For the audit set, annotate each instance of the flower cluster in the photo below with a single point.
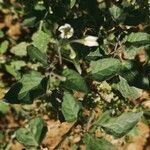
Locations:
(66, 32)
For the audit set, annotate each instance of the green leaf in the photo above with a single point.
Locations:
(34, 134)
(127, 91)
(29, 83)
(131, 51)
(30, 22)
(139, 38)
(4, 46)
(20, 49)
(135, 42)
(12, 95)
(105, 68)
(18, 64)
(14, 67)
(74, 147)
(129, 71)
(70, 107)
(25, 137)
(2, 136)
(74, 81)
(101, 120)
(77, 65)
(120, 126)
(41, 40)
(97, 143)
(72, 3)
(11, 70)
(134, 132)
(38, 128)
(36, 54)
(115, 11)
(27, 89)
(1, 34)
(94, 55)
(4, 107)
(39, 7)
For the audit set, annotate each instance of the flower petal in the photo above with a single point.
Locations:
(66, 31)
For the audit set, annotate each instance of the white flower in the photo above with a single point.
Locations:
(90, 41)
(66, 31)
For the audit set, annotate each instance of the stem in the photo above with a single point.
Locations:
(59, 55)
(10, 143)
(41, 24)
(77, 41)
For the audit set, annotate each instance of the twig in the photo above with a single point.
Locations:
(117, 44)
(90, 120)
(65, 135)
